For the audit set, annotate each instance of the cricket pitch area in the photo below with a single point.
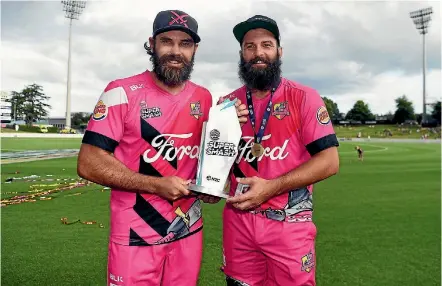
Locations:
(378, 221)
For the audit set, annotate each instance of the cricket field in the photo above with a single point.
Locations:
(378, 221)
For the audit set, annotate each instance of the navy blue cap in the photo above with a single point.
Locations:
(255, 22)
(176, 20)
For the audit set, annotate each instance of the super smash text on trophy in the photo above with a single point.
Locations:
(218, 150)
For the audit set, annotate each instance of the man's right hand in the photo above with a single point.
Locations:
(171, 188)
(242, 112)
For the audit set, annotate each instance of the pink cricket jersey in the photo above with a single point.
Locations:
(154, 133)
(299, 127)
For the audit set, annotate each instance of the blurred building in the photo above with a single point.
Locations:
(58, 122)
(5, 107)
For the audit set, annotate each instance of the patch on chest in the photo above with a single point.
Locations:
(281, 110)
(149, 112)
(195, 109)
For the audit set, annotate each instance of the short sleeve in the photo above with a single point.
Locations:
(106, 125)
(317, 129)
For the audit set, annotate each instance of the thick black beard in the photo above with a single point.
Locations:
(171, 76)
(260, 79)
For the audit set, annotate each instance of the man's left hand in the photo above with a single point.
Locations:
(260, 190)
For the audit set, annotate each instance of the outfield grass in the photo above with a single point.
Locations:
(374, 131)
(20, 144)
(378, 221)
(377, 131)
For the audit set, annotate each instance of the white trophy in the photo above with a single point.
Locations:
(218, 150)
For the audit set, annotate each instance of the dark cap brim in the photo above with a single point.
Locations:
(194, 36)
(242, 28)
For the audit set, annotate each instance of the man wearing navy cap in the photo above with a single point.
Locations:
(142, 141)
(288, 144)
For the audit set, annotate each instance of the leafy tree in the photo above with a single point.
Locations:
(332, 108)
(30, 103)
(436, 112)
(404, 110)
(17, 103)
(80, 118)
(360, 112)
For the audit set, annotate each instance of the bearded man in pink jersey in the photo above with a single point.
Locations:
(143, 141)
(288, 144)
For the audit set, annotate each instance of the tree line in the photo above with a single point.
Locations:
(361, 112)
(31, 105)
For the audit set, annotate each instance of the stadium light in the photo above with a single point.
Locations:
(421, 19)
(73, 10)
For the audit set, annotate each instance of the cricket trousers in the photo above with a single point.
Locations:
(258, 251)
(176, 263)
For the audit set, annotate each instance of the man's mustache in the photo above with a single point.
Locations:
(166, 58)
(258, 59)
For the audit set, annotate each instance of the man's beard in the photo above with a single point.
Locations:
(171, 76)
(259, 78)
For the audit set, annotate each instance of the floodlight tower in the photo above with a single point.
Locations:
(73, 10)
(421, 19)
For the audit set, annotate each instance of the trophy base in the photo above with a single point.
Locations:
(207, 191)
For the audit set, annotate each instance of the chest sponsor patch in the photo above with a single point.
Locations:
(149, 112)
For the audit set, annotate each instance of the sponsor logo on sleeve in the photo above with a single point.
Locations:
(100, 111)
(322, 115)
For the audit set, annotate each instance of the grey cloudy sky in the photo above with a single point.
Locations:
(346, 50)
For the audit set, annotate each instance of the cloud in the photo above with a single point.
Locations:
(345, 50)
(387, 87)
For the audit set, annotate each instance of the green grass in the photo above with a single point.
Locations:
(377, 131)
(10, 130)
(20, 144)
(378, 222)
